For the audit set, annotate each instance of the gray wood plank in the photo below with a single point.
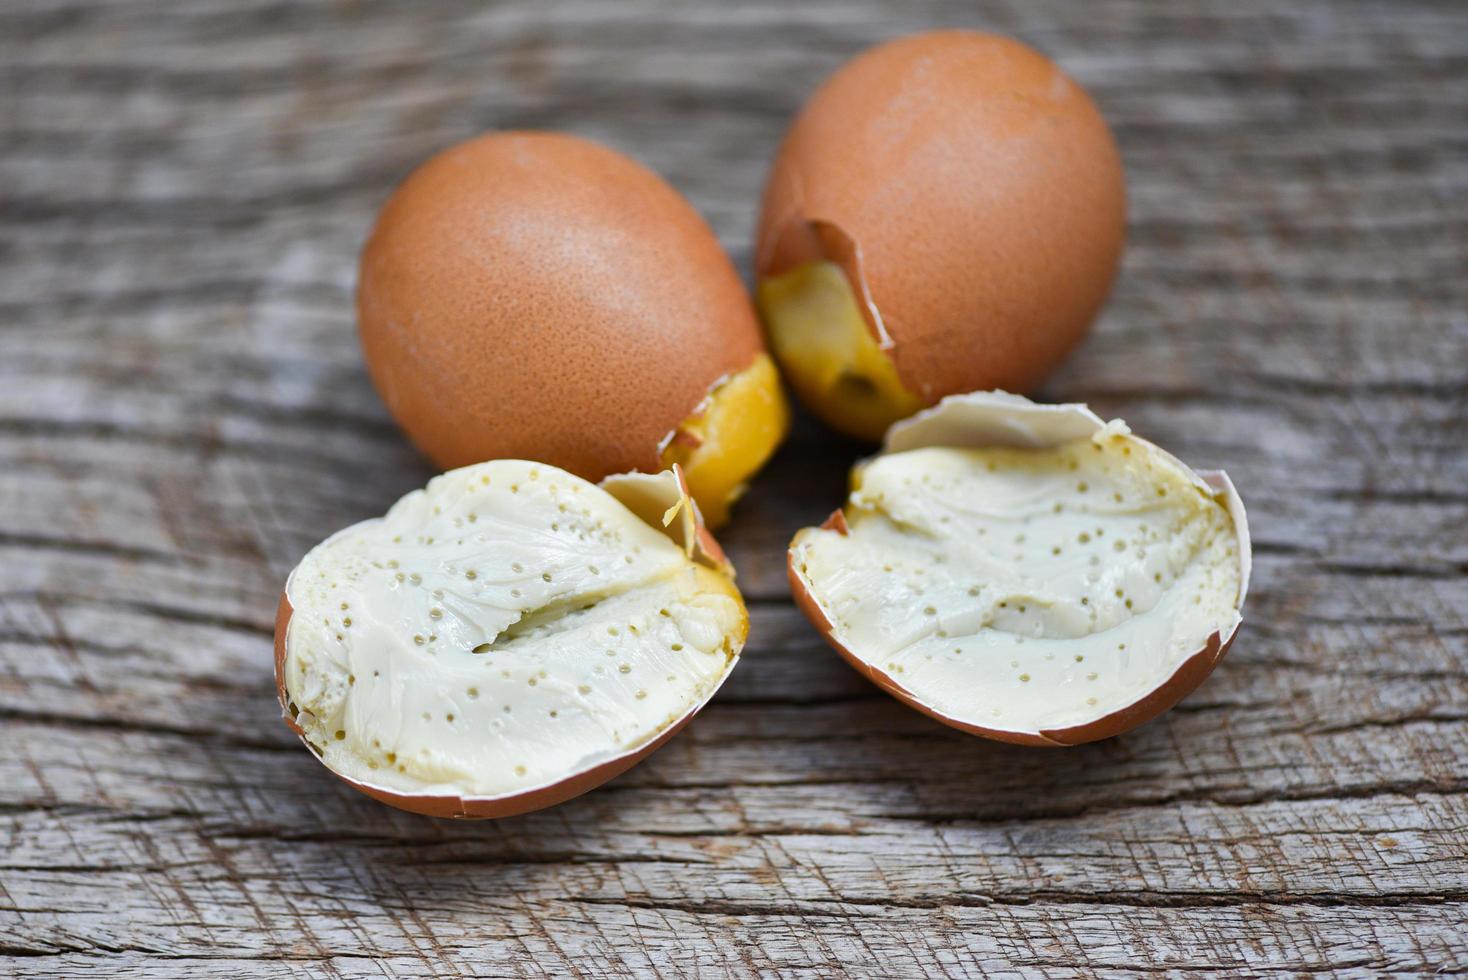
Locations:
(183, 412)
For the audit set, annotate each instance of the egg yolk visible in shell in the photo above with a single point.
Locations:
(729, 437)
(827, 350)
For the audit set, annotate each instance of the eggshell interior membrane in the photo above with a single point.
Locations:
(1026, 589)
(506, 628)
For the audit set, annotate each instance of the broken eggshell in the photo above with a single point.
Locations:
(662, 502)
(945, 215)
(985, 420)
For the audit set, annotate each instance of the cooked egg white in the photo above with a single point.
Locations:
(1026, 589)
(504, 628)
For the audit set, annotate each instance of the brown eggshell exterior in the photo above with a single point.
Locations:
(282, 624)
(539, 296)
(982, 197)
(1162, 698)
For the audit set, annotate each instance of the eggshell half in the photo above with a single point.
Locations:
(662, 501)
(974, 197)
(985, 419)
(538, 296)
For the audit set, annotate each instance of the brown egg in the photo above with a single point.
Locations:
(538, 296)
(1098, 584)
(945, 215)
(506, 638)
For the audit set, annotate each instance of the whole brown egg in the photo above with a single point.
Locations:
(945, 215)
(538, 296)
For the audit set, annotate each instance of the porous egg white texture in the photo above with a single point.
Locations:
(1026, 589)
(506, 627)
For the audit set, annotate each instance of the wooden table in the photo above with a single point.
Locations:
(183, 412)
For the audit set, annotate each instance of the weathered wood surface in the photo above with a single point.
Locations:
(183, 412)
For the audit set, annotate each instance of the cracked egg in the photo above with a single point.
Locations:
(945, 215)
(506, 638)
(538, 296)
(1028, 572)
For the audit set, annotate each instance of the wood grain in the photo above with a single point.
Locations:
(183, 412)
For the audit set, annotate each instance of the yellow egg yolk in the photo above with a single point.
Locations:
(729, 437)
(829, 354)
